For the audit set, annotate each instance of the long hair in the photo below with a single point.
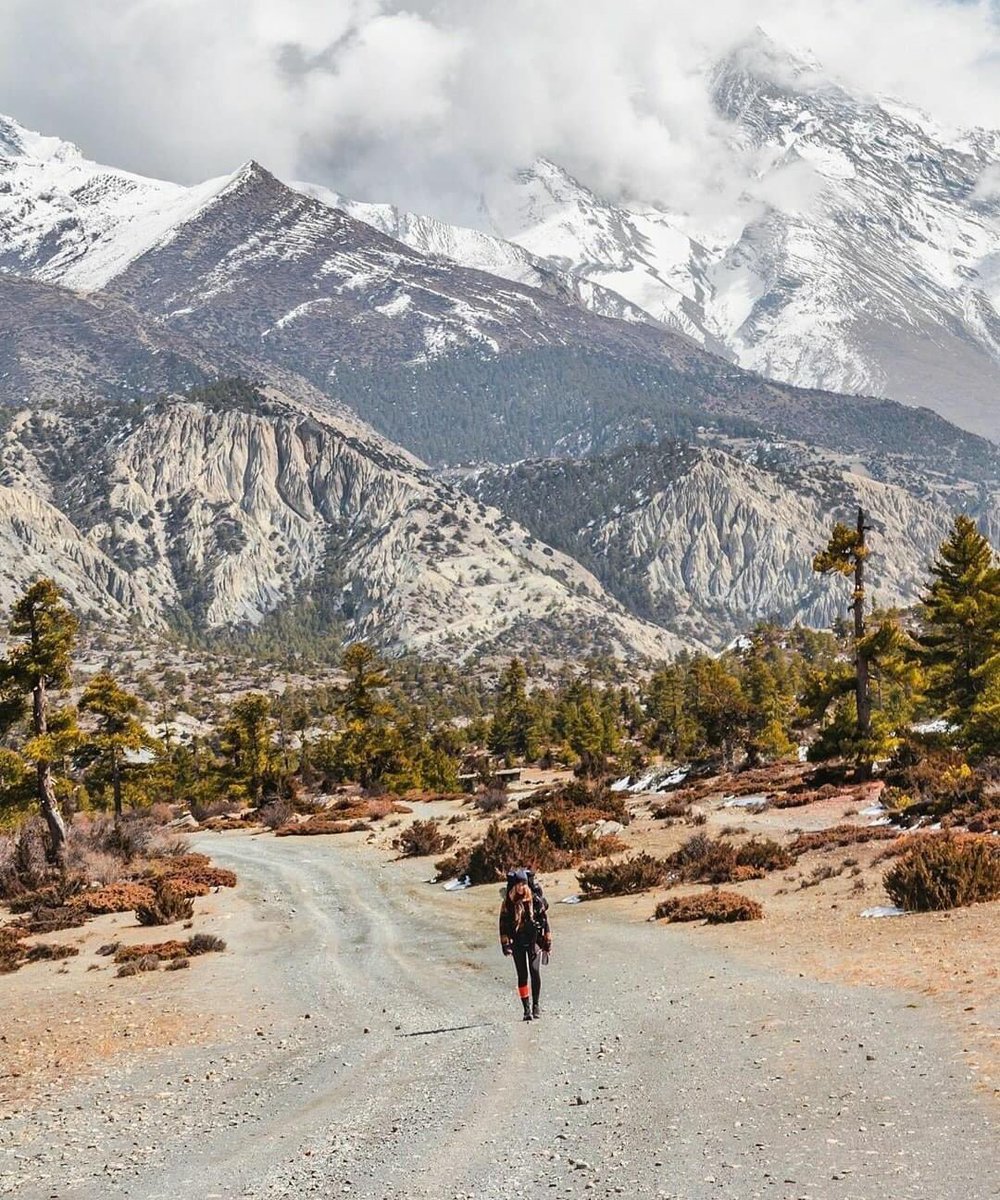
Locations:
(519, 904)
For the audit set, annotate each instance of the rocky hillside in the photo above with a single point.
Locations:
(233, 502)
(155, 490)
(708, 540)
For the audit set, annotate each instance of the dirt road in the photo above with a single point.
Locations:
(374, 1050)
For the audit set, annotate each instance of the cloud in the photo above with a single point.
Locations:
(424, 102)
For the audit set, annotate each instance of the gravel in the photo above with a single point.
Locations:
(378, 1052)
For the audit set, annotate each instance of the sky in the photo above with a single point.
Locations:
(422, 103)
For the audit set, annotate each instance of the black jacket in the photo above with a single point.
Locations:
(533, 932)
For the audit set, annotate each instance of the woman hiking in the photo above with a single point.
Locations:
(525, 934)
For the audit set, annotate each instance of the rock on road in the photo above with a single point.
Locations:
(377, 1052)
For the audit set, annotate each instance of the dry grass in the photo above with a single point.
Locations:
(51, 952)
(715, 907)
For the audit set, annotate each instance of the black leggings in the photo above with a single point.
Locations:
(527, 959)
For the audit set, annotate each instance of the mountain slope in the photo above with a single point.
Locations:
(863, 256)
(258, 273)
(64, 219)
(709, 540)
(233, 502)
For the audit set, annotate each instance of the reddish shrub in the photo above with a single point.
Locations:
(115, 898)
(319, 825)
(715, 907)
(162, 950)
(841, 835)
(765, 854)
(423, 838)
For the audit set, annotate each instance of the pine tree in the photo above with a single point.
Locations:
(961, 611)
(673, 730)
(846, 554)
(717, 704)
(43, 630)
(366, 679)
(983, 727)
(770, 702)
(118, 728)
(514, 732)
(250, 728)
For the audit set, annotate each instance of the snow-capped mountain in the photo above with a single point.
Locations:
(147, 484)
(877, 271)
(863, 255)
(66, 220)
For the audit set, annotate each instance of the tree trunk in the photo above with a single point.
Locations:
(862, 685)
(116, 783)
(46, 788)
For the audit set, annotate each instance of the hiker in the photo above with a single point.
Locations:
(525, 935)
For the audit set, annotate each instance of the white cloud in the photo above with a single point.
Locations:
(421, 102)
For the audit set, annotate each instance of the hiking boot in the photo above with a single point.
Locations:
(536, 1012)
(527, 1011)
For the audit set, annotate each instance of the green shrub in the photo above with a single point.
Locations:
(623, 878)
(945, 872)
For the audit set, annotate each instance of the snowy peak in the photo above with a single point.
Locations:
(67, 220)
(18, 142)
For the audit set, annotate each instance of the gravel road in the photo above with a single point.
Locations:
(377, 1052)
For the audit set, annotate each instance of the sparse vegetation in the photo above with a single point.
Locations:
(204, 943)
(945, 872)
(167, 905)
(715, 907)
(838, 836)
(623, 878)
(423, 838)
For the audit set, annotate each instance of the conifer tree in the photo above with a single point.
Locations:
(716, 702)
(983, 727)
(673, 730)
(846, 554)
(961, 610)
(118, 727)
(514, 731)
(770, 704)
(250, 729)
(42, 630)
